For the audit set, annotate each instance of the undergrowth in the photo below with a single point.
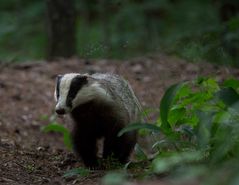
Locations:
(198, 126)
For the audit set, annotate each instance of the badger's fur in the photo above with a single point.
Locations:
(100, 105)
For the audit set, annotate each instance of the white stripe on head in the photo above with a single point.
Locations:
(55, 95)
(64, 89)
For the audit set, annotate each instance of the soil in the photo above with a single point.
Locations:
(30, 156)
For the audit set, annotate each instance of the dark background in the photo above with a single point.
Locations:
(195, 30)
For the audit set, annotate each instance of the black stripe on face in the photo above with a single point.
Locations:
(58, 81)
(76, 84)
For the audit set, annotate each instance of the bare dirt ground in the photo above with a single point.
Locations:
(30, 156)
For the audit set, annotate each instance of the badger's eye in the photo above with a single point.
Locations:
(76, 84)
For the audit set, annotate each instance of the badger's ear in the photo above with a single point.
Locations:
(58, 77)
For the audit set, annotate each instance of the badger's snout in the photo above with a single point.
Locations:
(60, 111)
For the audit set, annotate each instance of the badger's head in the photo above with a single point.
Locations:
(74, 89)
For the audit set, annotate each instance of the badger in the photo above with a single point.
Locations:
(100, 105)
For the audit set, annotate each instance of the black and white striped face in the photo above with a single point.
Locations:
(70, 91)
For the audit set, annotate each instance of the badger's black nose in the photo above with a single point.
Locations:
(60, 111)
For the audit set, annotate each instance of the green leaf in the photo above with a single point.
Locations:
(140, 154)
(211, 85)
(136, 126)
(192, 120)
(165, 106)
(195, 99)
(228, 95)
(55, 127)
(176, 115)
(164, 164)
(147, 111)
(200, 80)
(233, 83)
(203, 130)
(77, 171)
(160, 143)
(184, 91)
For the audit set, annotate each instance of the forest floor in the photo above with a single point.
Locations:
(30, 156)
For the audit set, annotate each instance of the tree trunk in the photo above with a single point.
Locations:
(61, 27)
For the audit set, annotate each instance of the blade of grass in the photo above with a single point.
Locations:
(136, 126)
(55, 127)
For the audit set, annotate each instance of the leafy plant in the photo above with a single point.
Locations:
(199, 126)
(55, 127)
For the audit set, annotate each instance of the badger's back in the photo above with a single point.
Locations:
(124, 99)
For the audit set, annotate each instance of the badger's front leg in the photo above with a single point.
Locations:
(84, 144)
(119, 147)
